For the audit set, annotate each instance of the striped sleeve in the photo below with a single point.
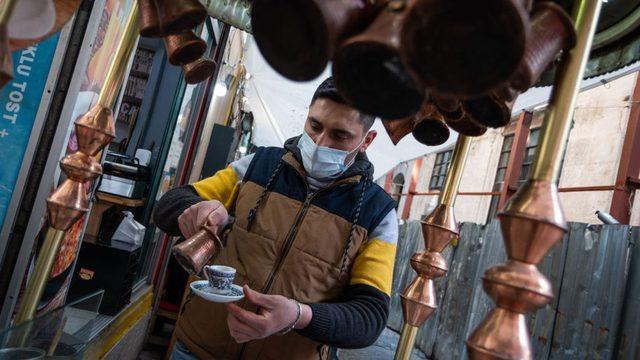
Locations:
(373, 265)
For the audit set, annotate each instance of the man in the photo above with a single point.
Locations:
(314, 240)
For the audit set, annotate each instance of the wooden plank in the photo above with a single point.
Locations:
(461, 283)
(541, 322)
(591, 293)
(119, 200)
(628, 347)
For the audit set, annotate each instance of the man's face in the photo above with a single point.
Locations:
(337, 126)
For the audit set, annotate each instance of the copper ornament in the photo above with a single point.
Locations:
(552, 30)
(199, 70)
(398, 129)
(80, 167)
(465, 48)
(67, 204)
(95, 130)
(184, 48)
(299, 37)
(449, 107)
(368, 70)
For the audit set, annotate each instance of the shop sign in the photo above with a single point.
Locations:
(19, 103)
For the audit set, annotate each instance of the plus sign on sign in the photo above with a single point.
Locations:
(19, 103)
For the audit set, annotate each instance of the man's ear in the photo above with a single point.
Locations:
(368, 139)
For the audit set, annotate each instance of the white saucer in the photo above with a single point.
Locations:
(202, 289)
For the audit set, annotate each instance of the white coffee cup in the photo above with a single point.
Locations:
(220, 278)
(143, 156)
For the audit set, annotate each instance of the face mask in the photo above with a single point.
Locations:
(321, 162)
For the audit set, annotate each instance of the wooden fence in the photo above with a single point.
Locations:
(595, 272)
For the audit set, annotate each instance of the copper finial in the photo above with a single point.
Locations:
(95, 130)
(199, 70)
(80, 167)
(299, 37)
(184, 48)
(368, 70)
(465, 48)
(67, 204)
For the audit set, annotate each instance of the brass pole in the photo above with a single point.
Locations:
(452, 181)
(438, 229)
(557, 120)
(69, 201)
(407, 341)
(532, 222)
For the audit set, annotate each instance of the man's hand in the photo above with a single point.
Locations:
(192, 219)
(276, 313)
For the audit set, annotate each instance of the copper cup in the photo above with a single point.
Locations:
(552, 30)
(299, 37)
(184, 48)
(199, 70)
(430, 128)
(194, 253)
(179, 15)
(449, 107)
(465, 48)
(491, 111)
(149, 18)
(466, 125)
(368, 70)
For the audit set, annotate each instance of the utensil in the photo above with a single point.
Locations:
(199, 70)
(178, 15)
(184, 48)
(466, 125)
(430, 128)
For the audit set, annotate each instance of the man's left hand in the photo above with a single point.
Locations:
(276, 313)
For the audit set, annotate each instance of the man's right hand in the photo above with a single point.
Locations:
(192, 219)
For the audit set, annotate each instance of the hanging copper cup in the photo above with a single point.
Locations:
(149, 18)
(199, 70)
(430, 128)
(299, 37)
(184, 48)
(552, 30)
(465, 48)
(491, 111)
(179, 15)
(368, 70)
(466, 125)
(449, 107)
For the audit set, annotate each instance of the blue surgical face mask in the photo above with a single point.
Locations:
(321, 162)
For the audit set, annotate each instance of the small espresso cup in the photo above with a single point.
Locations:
(220, 278)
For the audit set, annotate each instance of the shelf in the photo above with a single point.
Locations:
(119, 200)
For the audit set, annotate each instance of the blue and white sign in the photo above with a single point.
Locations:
(19, 102)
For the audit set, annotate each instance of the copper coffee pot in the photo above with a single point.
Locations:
(491, 111)
(199, 70)
(195, 252)
(184, 48)
(430, 128)
(449, 107)
(465, 48)
(552, 30)
(466, 125)
(299, 37)
(178, 15)
(368, 70)
(149, 18)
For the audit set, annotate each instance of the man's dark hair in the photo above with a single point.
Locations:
(329, 91)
